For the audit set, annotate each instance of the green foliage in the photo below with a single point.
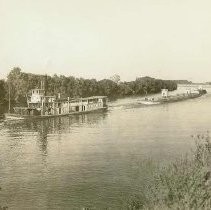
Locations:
(185, 184)
(20, 83)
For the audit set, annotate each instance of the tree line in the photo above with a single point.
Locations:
(20, 83)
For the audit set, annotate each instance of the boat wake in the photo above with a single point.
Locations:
(144, 102)
(132, 105)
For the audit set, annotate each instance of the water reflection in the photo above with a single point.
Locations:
(42, 128)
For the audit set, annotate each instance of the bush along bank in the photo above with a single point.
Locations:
(184, 184)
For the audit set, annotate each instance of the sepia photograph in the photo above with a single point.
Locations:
(105, 105)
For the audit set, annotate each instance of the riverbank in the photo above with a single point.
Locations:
(184, 184)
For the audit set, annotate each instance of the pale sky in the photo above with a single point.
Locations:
(169, 39)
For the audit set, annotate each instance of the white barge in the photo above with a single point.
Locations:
(166, 98)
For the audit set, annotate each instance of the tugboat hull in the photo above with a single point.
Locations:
(11, 116)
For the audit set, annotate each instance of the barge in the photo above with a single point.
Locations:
(166, 98)
(41, 106)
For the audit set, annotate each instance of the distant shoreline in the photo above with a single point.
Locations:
(195, 85)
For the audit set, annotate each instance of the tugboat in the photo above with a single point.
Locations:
(166, 98)
(41, 106)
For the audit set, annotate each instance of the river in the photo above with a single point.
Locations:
(94, 160)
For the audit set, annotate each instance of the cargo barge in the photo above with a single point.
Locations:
(166, 98)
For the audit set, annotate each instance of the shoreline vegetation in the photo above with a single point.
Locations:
(183, 184)
(20, 83)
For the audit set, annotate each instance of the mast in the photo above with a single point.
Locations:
(9, 99)
(43, 97)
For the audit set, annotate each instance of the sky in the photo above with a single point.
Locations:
(167, 39)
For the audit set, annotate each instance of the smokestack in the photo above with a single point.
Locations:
(42, 85)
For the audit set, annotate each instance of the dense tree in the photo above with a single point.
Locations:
(107, 87)
(182, 82)
(20, 83)
(2, 91)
